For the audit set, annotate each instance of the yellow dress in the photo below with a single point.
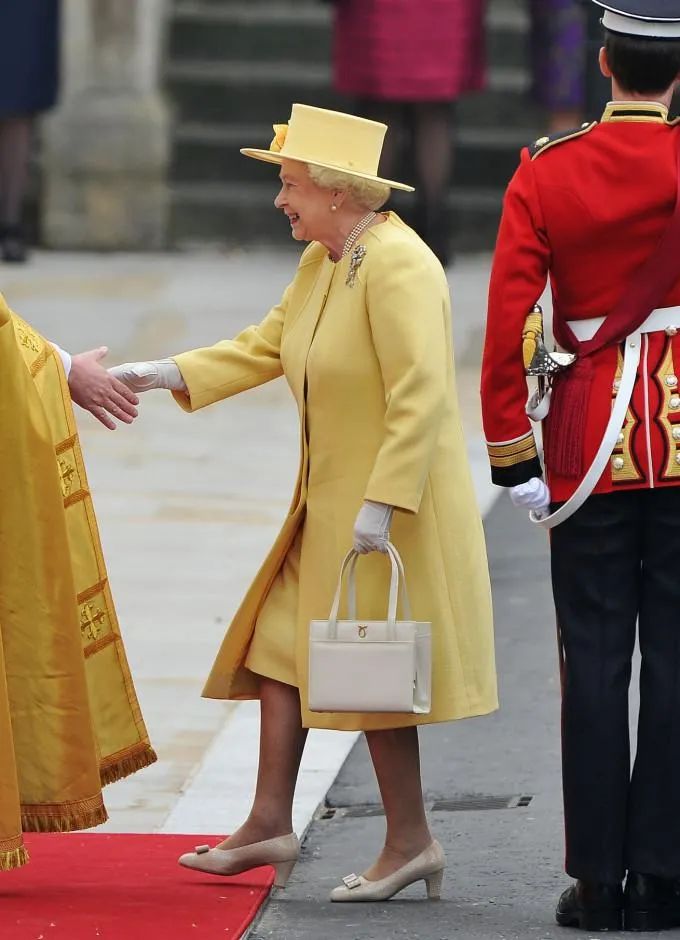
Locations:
(368, 357)
(272, 649)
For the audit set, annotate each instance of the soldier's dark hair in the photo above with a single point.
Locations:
(642, 65)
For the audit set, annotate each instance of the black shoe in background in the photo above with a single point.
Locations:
(651, 903)
(13, 244)
(592, 906)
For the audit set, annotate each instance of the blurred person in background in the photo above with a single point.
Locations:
(558, 42)
(30, 29)
(405, 63)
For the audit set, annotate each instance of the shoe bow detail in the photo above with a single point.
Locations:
(201, 849)
(351, 881)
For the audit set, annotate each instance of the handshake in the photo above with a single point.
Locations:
(112, 393)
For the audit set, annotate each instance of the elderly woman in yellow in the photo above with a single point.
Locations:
(363, 336)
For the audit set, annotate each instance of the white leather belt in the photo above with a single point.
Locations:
(665, 318)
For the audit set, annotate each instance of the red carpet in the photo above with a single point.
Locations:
(82, 886)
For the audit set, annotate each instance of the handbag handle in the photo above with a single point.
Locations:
(397, 579)
(405, 603)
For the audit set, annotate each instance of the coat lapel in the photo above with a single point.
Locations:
(299, 338)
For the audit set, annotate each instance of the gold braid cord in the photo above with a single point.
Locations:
(531, 334)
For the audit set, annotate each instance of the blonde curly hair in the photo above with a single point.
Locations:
(366, 193)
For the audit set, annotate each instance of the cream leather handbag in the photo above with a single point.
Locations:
(370, 665)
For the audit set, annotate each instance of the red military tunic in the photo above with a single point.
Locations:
(586, 209)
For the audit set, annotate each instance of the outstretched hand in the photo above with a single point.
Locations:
(98, 392)
(143, 376)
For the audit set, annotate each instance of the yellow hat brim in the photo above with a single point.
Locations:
(270, 156)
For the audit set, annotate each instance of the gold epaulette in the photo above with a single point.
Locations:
(545, 143)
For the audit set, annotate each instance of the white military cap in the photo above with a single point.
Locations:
(654, 19)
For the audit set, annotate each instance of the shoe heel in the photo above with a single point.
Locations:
(597, 921)
(434, 885)
(645, 921)
(282, 872)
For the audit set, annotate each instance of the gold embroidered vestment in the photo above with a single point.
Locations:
(69, 717)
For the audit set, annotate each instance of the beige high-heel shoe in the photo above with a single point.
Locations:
(428, 867)
(282, 853)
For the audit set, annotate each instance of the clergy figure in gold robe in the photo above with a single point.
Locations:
(69, 717)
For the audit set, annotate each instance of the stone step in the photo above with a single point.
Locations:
(234, 67)
(484, 157)
(233, 214)
(232, 92)
(205, 31)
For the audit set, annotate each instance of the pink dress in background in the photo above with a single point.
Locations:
(409, 50)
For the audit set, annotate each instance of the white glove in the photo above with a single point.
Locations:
(143, 376)
(533, 495)
(372, 527)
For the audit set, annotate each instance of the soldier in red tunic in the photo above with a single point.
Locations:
(597, 210)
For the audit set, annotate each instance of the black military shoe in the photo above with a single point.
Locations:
(12, 244)
(591, 906)
(650, 902)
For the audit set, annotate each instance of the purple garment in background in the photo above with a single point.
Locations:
(558, 44)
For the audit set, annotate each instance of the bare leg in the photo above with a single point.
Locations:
(396, 761)
(15, 148)
(282, 741)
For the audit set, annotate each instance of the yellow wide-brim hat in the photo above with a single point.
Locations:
(329, 139)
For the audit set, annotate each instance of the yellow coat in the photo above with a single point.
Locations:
(371, 369)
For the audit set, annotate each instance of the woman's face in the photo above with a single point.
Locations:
(307, 205)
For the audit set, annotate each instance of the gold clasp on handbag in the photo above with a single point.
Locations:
(363, 631)
(538, 360)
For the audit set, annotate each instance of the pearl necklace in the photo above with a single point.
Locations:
(357, 231)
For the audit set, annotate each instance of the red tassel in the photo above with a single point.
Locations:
(566, 424)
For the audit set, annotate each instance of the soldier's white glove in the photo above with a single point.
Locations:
(533, 495)
(372, 527)
(143, 376)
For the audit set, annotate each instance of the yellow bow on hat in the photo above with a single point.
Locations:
(280, 131)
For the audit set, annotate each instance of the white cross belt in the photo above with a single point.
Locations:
(665, 318)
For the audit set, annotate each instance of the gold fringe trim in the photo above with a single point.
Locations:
(65, 822)
(14, 859)
(128, 765)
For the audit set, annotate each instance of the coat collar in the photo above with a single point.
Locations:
(648, 112)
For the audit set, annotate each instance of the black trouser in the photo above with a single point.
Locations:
(616, 562)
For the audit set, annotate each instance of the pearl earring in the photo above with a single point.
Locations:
(334, 208)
